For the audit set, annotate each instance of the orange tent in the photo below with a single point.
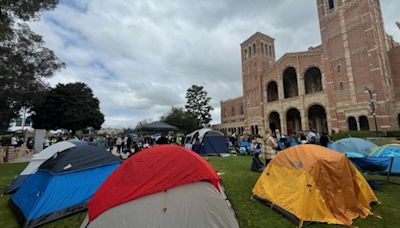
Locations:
(313, 183)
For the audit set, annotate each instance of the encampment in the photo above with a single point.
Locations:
(162, 186)
(313, 183)
(207, 142)
(63, 184)
(37, 160)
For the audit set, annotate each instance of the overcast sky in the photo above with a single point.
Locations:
(139, 57)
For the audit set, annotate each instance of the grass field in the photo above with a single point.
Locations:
(238, 182)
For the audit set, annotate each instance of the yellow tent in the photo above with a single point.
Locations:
(313, 183)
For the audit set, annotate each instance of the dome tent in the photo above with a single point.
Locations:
(310, 183)
(63, 184)
(162, 186)
(207, 142)
(36, 161)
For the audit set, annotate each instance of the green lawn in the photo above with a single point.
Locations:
(238, 182)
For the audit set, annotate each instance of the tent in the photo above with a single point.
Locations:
(63, 184)
(310, 183)
(207, 142)
(353, 145)
(37, 160)
(358, 150)
(162, 186)
(390, 151)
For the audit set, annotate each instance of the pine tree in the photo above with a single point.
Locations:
(198, 104)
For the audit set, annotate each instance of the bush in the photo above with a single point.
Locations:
(356, 134)
(395, 133)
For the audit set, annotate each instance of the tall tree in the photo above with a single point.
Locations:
(24, 62)
(184, 120)
(198, 104)
(69, 106)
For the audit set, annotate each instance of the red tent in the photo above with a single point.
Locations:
(153, 170)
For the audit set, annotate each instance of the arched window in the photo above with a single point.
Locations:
(331, 4)
(254, 49)
(274, 121)
(352, 123)
(256, 129)
(364, 125)
(312, 80)
(317, 119)
(233, 111)
(252, 130)
(272, 91)
(266, 50)
(290, 83)
(262, 48)
(241, 110)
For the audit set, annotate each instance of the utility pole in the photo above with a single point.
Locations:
(372, 104)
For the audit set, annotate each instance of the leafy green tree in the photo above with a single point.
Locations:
(184, 120)
(24, 62)
(68, 106)
(198, 104)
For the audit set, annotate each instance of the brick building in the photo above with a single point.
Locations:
(325, 87)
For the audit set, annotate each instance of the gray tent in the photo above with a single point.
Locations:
(195, 205)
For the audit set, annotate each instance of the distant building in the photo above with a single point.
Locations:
(324, 87)
(19, 124)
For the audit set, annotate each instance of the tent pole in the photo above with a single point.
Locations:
(390, 170)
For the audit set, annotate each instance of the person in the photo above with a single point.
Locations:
(269, 146)
(129, 142)
(312, 137)
(324, 140)
(118, 143)
(162, 140)
(14, 141)
(46, 143)
(303, 139)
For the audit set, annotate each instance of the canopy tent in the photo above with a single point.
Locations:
(162, 186)
(207, 141)
(158, 127)
(63, 184)
(313, 183)
(37, 160)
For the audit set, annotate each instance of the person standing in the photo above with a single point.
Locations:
(14, 141)
(270, 146)
(118, 143)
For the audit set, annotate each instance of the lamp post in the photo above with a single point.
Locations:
(372, 103)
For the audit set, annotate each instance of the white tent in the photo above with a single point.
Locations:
(195, 205)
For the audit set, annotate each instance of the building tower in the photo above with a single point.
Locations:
(355, 51)
(258, 55)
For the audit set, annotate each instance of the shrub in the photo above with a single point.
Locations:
(395, 133)
(356, 134)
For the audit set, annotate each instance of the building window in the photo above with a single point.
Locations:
(241, 110)
(233, 111)
(338, 68)
(245, 54)
(266, 49)
(249, 51)
(331, 4)
(270, 50)
(341, 85)
(254, 49)
(262, 48)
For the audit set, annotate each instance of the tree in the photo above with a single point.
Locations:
(68, 106)
(198, 104)
(184, 120)
(24, 62)
(140, 124)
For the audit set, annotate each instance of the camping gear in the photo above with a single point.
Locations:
(162, 186)
(37, 160)
(389, 150)
(63, 184)
(313, 183)
(354, 145)
(207, 142)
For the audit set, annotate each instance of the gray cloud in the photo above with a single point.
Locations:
(139, 57)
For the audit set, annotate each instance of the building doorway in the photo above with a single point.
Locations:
(293, 121)
(317, 119)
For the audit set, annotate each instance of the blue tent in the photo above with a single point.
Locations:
(354, 145)
(207, 142)
(63, 184)
(392, 151)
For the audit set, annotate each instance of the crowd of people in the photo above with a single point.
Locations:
(272, 142)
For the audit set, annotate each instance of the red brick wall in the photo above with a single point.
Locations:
(394, 59)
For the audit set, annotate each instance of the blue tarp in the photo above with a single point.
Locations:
(372, 164)
(45, 193)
